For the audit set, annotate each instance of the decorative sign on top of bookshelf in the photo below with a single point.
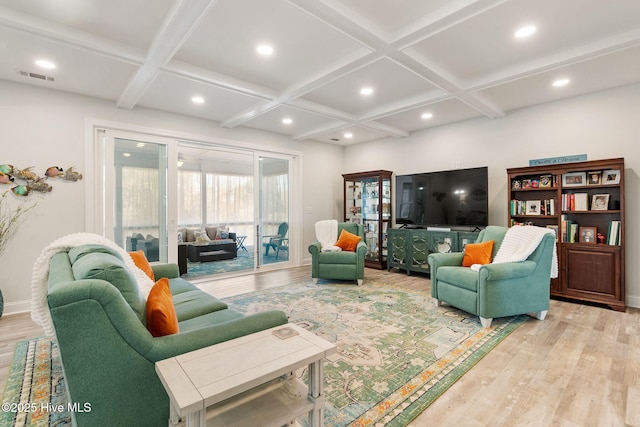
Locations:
(558, 160)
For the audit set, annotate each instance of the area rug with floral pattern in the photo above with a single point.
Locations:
(397, 351)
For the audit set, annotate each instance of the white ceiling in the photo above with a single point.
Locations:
(457, 59)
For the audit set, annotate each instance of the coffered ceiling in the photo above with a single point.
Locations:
(446, 60)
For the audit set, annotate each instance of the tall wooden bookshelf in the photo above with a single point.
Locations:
(584, 203)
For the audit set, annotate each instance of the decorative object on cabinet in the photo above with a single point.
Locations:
(367, 201)
(588, 234)
(611, 176)
(600, 202)
(574, 179)
(591, 241)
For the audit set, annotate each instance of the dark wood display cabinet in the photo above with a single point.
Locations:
(584, 203)
(367, 201)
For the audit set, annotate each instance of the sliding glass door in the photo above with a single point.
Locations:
(134, 192)
(273, 209)
(149, 189)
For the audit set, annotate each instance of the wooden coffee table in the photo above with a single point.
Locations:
(248, 381)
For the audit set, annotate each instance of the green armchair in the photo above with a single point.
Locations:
(340, 265)
(496, 290)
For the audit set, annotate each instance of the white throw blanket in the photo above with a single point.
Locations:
(40, 276)
(327, 235)
(520, 242)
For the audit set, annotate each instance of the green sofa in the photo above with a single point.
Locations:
(496, 290)
(340, 265)
(108, 356)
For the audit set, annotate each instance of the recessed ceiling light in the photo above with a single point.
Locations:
(525, 31)
(197, 100)
(287, 121)
(561, 82)
(348, 135)
(140, 144)
(264, 50)
(126, 154)
(43, 63)
(366, 91)
(427, 116)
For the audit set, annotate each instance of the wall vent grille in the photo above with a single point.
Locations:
(37, 76)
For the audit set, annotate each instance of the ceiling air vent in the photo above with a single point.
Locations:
(335, 139)
(37, 76)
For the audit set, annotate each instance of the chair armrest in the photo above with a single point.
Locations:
(507, 270)
(439, 260)
(362, 248)
(170, 271)
(315, 248)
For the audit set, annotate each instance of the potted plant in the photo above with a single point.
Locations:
(11, 216)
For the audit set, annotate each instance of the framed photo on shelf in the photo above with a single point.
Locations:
(533, 207)
(545, 181)
(574, 179)
(526, 183)
(594, 178)
(516, 184)
(600, 202)
(588, 234)
(611, 176)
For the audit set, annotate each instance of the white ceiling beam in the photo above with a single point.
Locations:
(565, 58)
(64, 35)
(174, 31)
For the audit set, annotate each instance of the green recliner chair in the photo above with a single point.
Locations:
(496, 290)
(340, 265)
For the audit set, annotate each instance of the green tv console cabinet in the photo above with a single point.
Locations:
(409, 248)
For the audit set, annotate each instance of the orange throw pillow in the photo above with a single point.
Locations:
(140, 260)
(161, 314)
(348, 241)
(477, 253)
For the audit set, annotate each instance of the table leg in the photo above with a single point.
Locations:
(315, 373)
(197, 419)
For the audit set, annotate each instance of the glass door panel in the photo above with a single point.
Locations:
(140, 194)
(273, 215)
(216, 189)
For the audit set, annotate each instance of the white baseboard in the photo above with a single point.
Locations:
(16, 307)
(633, 301)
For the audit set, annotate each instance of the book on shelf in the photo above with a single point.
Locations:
(532, 207)
(581, 202)
(613, 237)
(568, 230)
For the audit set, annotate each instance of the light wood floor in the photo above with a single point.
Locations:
(578, 367)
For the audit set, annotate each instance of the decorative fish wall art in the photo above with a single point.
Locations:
(9, 174)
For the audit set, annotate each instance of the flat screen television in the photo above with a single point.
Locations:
(447, 199)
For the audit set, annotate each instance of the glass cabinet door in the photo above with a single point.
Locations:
(367, 201)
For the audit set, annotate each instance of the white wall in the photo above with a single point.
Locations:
(43, 128)
(602, 125)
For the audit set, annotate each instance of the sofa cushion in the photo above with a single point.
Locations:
(106, 266)
(195, 303)
(462, 277)
(140, 260)
(209, 319)
(161, 315)
(337, 258)
(79, 251)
